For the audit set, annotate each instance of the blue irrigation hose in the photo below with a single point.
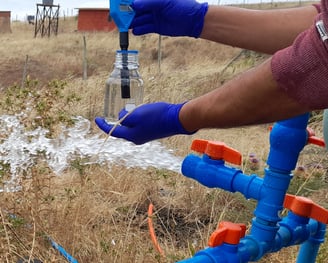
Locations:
(62, 251)
(55, 245)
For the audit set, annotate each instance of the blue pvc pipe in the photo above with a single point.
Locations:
(268, 232)
(214, 173)
(293, 230)
(287, 139)
(223, 254)
(198, 259)
(308, 252)
(270, 203)
(309, 249)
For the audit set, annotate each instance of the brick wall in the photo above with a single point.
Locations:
(94, 19)
(5, 22)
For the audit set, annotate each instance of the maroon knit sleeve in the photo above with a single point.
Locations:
(318, 7)
(301, 70)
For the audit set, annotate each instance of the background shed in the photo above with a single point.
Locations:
(5, 22)
(94, 19)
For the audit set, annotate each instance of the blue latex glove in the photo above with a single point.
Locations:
(146, 123)
(169, 17)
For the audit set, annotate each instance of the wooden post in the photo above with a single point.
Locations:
(24, 72)
(85, 63)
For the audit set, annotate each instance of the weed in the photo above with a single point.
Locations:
(16, 221)
(4, 171)
(42, 106)
(79, 165)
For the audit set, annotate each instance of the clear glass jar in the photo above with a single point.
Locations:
(124, 87)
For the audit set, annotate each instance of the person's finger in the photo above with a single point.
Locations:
(145, 5)
(143, 25)
(103, 125)
(142, 30)
(117, 131)
(141, 20)
(122, 132)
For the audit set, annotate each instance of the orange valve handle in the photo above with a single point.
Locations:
(312, 139)
(305, 207)
(217, 151)
(227, 232)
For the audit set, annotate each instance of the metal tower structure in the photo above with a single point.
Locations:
(46, 21)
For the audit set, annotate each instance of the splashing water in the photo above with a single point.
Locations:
(19, 148)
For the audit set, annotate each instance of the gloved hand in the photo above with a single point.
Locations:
(169, 17)
(146, 123)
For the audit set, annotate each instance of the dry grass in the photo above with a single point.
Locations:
(99, 214)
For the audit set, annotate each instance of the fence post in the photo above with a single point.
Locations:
(85, 63)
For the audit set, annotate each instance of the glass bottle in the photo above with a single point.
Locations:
(124, 87)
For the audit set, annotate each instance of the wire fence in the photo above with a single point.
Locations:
(247, 2)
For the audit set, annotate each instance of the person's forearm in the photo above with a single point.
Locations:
(261, 30)
(251, 98)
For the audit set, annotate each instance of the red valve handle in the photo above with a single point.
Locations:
(303, 206)
(217, 151)
(227, 232)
